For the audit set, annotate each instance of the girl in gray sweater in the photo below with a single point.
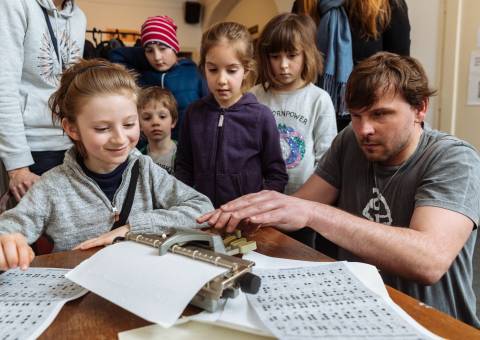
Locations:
(77, 203)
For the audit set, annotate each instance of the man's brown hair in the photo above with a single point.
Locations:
(383, 72)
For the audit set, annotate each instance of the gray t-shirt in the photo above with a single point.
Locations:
(443, 172)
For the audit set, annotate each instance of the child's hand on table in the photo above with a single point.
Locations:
(104, 239)
(15, 252)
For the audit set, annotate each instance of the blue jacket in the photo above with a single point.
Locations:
(183, 79)
(225, 158)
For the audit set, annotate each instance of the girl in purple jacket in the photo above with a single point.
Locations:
(229, 143)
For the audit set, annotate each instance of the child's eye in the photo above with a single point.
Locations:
(129, 125)
(212, 70)
(232, 70)
(101, 129)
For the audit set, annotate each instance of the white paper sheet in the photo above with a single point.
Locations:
(30, 300)
(236, 314)
(327, 301)
(364, 272)
(239, 312)
(133, 276)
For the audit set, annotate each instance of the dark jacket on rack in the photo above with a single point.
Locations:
(227, 153)
(183, 79)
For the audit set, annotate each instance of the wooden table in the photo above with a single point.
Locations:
(92, 317)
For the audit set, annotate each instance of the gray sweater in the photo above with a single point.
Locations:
(70, 207)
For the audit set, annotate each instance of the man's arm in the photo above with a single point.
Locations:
(272, 208)
(423, 252)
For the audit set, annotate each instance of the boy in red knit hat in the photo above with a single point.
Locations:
(158, 65)
(159, 39)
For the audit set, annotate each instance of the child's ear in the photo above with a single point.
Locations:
(70, 129)
(174, 123)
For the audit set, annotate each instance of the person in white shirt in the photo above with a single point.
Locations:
(41, 38)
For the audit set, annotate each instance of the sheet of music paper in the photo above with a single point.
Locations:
(30, 300)
(325, 301)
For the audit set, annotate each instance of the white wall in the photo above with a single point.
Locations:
(253, 12)
(426, 36)
(462, 25)
(284, 5)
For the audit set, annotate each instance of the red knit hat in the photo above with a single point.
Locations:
(160, 29)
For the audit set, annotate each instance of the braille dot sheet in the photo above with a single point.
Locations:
(30, 300)
(327, 302)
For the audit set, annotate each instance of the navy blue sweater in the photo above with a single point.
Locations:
(239, 157)
(183, 79)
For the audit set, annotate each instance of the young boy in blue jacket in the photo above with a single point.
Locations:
(157, 64)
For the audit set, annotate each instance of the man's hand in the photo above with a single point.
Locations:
(21, 180)
(265, 208)
(15, 252)
(219, 219)
(104, 239)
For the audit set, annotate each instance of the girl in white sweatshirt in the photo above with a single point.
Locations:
(288, 63)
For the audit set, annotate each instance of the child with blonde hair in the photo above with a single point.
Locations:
(229, 143)
(104, 188)
(157, 109)
(289, 63)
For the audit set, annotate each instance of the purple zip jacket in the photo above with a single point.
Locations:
(225, 153)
